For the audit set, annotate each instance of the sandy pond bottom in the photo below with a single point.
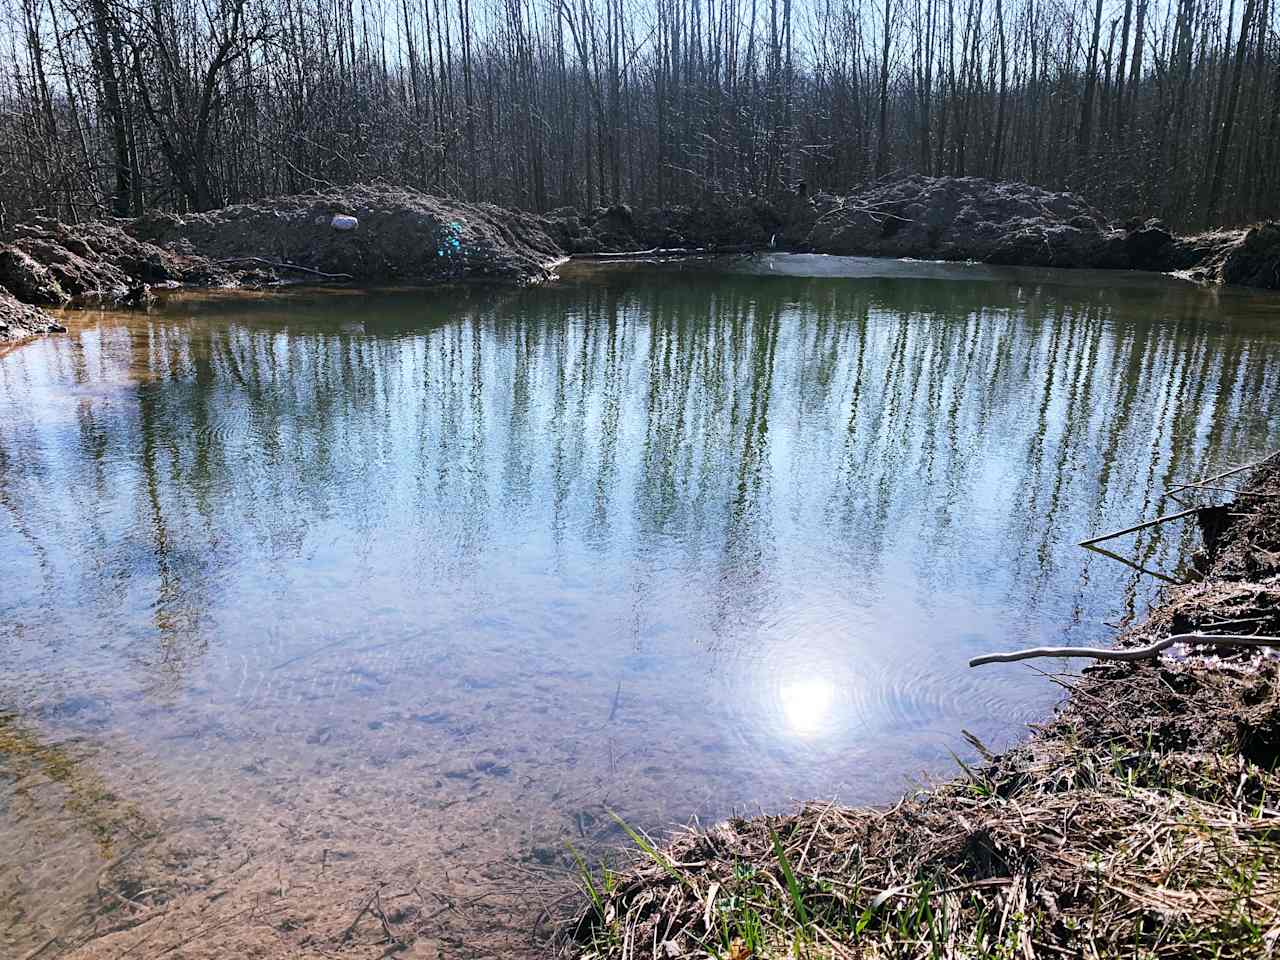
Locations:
(316, 602)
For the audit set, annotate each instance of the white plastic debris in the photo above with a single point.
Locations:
(343, 222)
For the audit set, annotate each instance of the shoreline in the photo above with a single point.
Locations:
(1141, 818)
(364, 235)
(941, 219)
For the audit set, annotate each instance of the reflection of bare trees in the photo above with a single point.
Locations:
(930, 425)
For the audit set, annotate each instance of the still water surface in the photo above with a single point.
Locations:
(428, 580)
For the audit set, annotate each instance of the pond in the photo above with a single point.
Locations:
(317, 594)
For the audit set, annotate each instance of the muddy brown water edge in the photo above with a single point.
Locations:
(317, 600)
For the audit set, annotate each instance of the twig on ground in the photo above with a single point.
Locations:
(41, 949)
(368, 904)
(617, 697)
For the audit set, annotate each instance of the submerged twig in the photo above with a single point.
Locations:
(281, 265)
(638, 254)
(617, 698)
(1150, 651)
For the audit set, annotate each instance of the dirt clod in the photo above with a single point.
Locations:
(20, 320)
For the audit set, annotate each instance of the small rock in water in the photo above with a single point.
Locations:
(342, 221)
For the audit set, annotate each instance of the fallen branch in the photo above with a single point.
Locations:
(1221, 476)
(368, 905)
(281, 265)
(872, 210)
(41, 949)
(1183, 513)
(1149, 652)
(1139, 526)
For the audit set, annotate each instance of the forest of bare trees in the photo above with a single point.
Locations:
(1147, 107)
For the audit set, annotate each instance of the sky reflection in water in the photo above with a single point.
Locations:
(730, 532)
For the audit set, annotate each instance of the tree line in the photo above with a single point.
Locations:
(1146, 107)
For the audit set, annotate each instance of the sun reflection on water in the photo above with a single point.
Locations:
(807, 704)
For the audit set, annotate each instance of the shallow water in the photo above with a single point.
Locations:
(319, 589)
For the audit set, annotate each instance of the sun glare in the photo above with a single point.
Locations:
(806, 704)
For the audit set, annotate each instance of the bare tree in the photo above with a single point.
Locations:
(109, 106)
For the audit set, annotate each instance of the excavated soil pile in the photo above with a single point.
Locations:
(1254, 260)
(401, 236)
(1142, 820)
(19, 320)
(52, 264)
(967, 218)
(928, 218)
(716, 223)
(1249, 258)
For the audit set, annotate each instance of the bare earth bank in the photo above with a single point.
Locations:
(402, 236)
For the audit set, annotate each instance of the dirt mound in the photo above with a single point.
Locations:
(19, 320)
(933, 218)
(967, 218)
(1254, 260)
(948, 218)
(382, 235)
(401, 236)
(715, 222)
(56, 264)
(53, 264)
(1249, 258)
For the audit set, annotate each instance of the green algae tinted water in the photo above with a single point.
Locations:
(317, 590)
